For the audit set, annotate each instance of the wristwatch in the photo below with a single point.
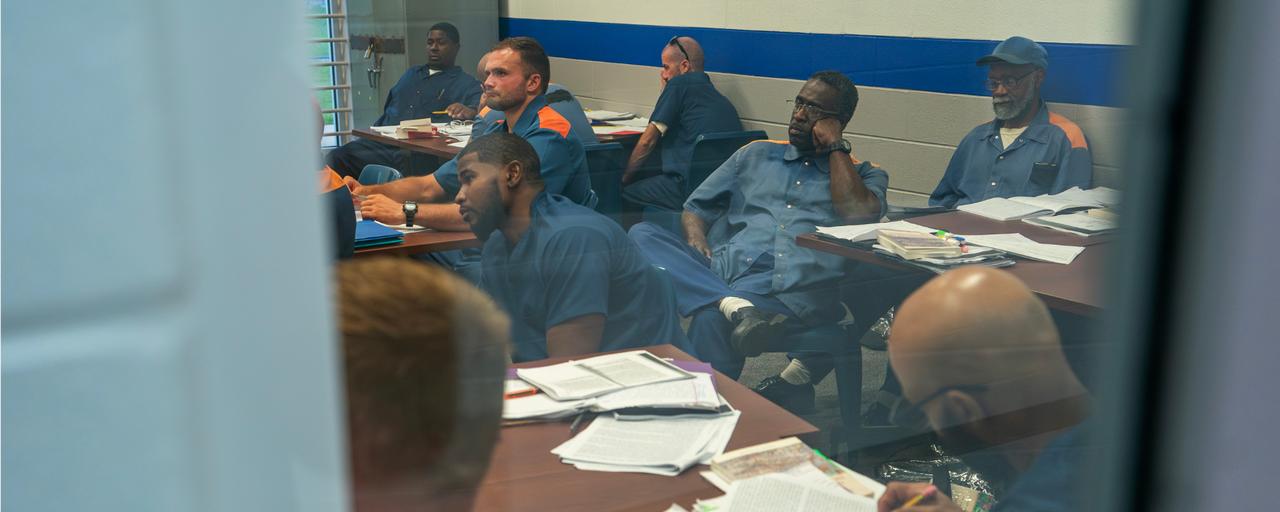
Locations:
(410, 208)
(843, 146)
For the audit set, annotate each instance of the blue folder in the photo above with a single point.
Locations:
(370, 233)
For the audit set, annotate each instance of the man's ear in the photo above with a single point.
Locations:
(513, 174)
(958, 408)
(533, 84)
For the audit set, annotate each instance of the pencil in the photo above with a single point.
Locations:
(916, 500)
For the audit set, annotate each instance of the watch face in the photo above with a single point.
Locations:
(410, 206)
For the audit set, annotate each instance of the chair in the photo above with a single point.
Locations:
(710, 150)
(374, 174)
(605, 164)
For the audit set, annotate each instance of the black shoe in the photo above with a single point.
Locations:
(795, 398)
(755, 330)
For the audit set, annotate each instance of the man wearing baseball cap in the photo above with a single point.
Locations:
(1026, 150)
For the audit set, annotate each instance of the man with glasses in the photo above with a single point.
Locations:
(979, 356)
(689, 106)
(1026, 150)
(737, 271)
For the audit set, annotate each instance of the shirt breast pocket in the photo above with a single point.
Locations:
(1043, 176)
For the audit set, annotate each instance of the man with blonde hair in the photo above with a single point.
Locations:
(424, 357)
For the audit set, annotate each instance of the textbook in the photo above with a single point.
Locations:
(574, 380)
(790, 456)
(1018, 208)
(1080, 223)
(861, 232)
(914, 246)
(780, 492)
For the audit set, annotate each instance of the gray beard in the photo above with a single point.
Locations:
(1012, 109)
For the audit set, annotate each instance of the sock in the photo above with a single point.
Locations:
(795, 373)
(730, 305)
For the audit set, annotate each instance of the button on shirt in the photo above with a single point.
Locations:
(562, 162)
(572, 262)
(419, 93)
(756, 204)
(690, 106)
(1052, 155)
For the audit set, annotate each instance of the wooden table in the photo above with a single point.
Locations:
(423, 242)
(1074, 288)
(438, 147)
(524, 475)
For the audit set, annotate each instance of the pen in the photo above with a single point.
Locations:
(440, 112)
(520, 394)
(573, 429)
(929, 491)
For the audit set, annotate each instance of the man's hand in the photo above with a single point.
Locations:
(826, 132)
(353, 186)
(700, 245)
(897, 494)
(460, 111)
(383, 209)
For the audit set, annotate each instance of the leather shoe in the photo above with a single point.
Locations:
(795, 398)
(754, 330)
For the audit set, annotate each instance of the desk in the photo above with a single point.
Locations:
(437, 147)
(423, 242)
(1074, 288)
(524, 475)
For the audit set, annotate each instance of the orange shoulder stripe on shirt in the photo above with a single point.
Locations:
(484, 111)
(1074, 133)
(550, 119)
(330, 180)
(783, 142)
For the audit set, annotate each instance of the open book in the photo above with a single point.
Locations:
(1080, 223)
(1017, 208)
(790, 456)
(860, 232)
(696, 395)
(600, 375)
(784, 493)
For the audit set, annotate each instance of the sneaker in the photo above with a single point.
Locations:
(795, 398)
(754, 331)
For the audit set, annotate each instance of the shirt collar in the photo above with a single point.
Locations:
(530, 113)
(1034, 130)
(793, 155)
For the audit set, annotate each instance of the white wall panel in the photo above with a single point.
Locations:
(1077, 21)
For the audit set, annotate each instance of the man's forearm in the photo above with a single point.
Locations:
(852, 200)
(407, 189)
(644, 147)
(440, 217)
(695, 229)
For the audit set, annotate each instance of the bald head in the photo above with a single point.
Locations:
(692, 48)
(481, 73)
(979, 326)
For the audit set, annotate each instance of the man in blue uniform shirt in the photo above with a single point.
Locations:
(738, 271)
(1026, 150)
(569, 277)
(559, 98)
(978, 354)
(689, 106)
(422, 90)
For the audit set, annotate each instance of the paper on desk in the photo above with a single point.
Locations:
(1098, 195)
(606, 130)
(655, 446)
(607, 115)
(1018, 245)
(542, 406)
(860, 232)
(1000, 208)
(635, 123)
(782, 492)
(695, 393)
(403, 228)
(462, 141)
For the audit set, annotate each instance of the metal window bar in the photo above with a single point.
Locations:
(340, 69)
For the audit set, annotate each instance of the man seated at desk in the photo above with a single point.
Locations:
(424, 357)
(738, 271)
(558, 98)
(1026, 150)
(689, 106)
(422, 90)
(568, 276)
(979, 355)
(518, 70)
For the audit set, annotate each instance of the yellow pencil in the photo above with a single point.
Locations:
(916, 500)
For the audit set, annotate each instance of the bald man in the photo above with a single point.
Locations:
(689, 106)
(978, 354)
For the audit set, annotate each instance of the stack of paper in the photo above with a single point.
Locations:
(1103, 196)
(860, 232)
(1018, 245)
(1082, 224)
(692, 395)
(974, 255)
(659, 446)
(608, 115)
(599, 375)
(913, 246)
(781, 493)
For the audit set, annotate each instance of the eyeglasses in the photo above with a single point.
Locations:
(916, 410)
(810, 109)
(676, 41)
(1008, 82)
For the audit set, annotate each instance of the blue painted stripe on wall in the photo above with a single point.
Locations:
(1078, 73)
